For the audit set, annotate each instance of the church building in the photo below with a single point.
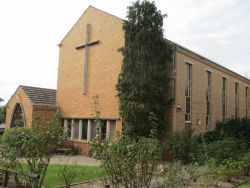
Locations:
(203, 91)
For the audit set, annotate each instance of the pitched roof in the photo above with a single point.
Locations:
(89, 7)
(211, 63)
(40, 96)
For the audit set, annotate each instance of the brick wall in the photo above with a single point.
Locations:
(103, 67)
(199, 68)
(43, 114)
(19, 97)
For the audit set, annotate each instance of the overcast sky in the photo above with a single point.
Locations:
(30, 31)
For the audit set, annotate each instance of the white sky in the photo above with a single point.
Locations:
(30, 31)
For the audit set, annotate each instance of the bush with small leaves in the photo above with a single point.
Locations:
(128, 162)
(232, 168)
(182, 145)
(220, 150)
(35, 145)
(69, 172)
(212, 173)
(178, 175)
(246, 163)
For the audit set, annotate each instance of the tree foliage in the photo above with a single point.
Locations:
(142, 83)
(2, 112)
(128, 162)
(35, 145)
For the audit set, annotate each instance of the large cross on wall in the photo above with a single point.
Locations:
(86, 47)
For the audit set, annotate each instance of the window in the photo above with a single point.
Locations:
(113, 132)
(188, 94)
(236, 99)
(247, 103)
(208, 99)
(78, 129)
(224, 97)
(84, 129)
(102, 129)
(69, 121)
(75, 129)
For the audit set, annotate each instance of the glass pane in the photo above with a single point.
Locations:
(92, 129)
(76, 129)
(69, 128)
(188, 104)
(223, 111)
(112, 129)
(104, 129)
(186, 88)
(84, 129)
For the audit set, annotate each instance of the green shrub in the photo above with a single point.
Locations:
(69, 172)
(224, 149)
(232, 168)
(235, 128)
(178, 175)
(14, 138)
(212, 173)
(246, 163)
(182, 145)
(2, 113)
(209, 136)
(34, 144)
(128, 162)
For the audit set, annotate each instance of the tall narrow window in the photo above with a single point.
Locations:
(84, 129)
(247, 103)
(188, 94)
(236, 99)
(208, 100)
(224, 97)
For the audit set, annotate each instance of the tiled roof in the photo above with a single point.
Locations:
(40, 96)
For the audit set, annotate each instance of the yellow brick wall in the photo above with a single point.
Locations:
(19, 97)
(42, 114)
(199, 68)
(103, 67)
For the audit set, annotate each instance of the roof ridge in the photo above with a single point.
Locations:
(37, 87)
(208, 59)
(90, 6)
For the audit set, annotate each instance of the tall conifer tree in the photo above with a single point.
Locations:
(143, 81)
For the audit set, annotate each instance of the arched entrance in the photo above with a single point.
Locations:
(18, 117)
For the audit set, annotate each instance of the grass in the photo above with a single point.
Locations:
(89, 173)
(245, 185)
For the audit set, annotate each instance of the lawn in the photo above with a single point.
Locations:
(245, 185)
(89, 173)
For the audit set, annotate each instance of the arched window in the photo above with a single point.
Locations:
(18, 119)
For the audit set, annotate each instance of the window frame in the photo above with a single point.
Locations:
(208, 90)
(188, 94)
(224, 98)
(236, 102)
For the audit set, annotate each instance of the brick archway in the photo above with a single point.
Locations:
(18, 116)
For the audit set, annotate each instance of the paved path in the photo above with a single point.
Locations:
(75, 159)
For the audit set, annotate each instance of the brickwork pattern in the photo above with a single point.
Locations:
(199, 68)
(19, 97)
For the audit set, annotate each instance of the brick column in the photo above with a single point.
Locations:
(72, 128)
(108, 129)
(65, 130)
(89, 130)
